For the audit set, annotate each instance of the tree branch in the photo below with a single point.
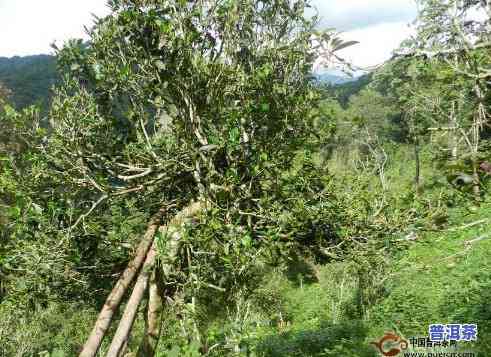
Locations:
(85, 215)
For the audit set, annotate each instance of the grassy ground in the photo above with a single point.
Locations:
(444, 277)
(441, 275)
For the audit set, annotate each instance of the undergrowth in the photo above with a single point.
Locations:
(423, 271)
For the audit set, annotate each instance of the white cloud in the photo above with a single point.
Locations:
(376, 43)
(352, 14)
(30, 26)
(379, 25)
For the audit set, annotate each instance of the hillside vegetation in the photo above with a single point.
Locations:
(29, 79)
(190, 189)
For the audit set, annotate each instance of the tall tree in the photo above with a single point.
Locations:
(173, 102)
(451, 32)
(439, 76)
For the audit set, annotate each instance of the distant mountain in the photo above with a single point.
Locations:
(343, 91)
(29, 78)
(334, 79)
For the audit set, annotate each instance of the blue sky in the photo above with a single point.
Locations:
(29, 26)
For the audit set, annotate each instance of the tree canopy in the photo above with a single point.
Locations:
(192, 183)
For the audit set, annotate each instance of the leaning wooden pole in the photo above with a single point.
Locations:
(153, 322)
(123, 332)
(155, 306)
(114, 299)
(172, 232)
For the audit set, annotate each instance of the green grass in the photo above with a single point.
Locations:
(313, 319)
(442, 279)
(438, 279)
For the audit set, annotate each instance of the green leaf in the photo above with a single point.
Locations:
(265, 107)
(75, 67)
(57, 353)
(345, 45)
(234, 135)
(246, 241)
(96, 67)
(165, 26)
(174, 352)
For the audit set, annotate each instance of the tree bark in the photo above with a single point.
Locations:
(114, 299)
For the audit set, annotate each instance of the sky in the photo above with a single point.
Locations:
(29, 26)
(379, 25)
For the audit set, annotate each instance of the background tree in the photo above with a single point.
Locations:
(449, 35)
(372, 119)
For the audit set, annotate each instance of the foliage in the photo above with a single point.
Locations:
(343, 91)
(239, 111)
(240, 105)
(315, 242)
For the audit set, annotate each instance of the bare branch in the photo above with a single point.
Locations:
(124, 192)
(148, 140)
(85, 215)
(132, 177)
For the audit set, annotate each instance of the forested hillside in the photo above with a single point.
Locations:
(343, 91)
(198, 192)
(29, 79)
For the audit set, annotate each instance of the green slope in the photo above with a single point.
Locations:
(29, 78)
(439, 278)
(445, 277)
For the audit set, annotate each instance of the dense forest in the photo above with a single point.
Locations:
(183, 185)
